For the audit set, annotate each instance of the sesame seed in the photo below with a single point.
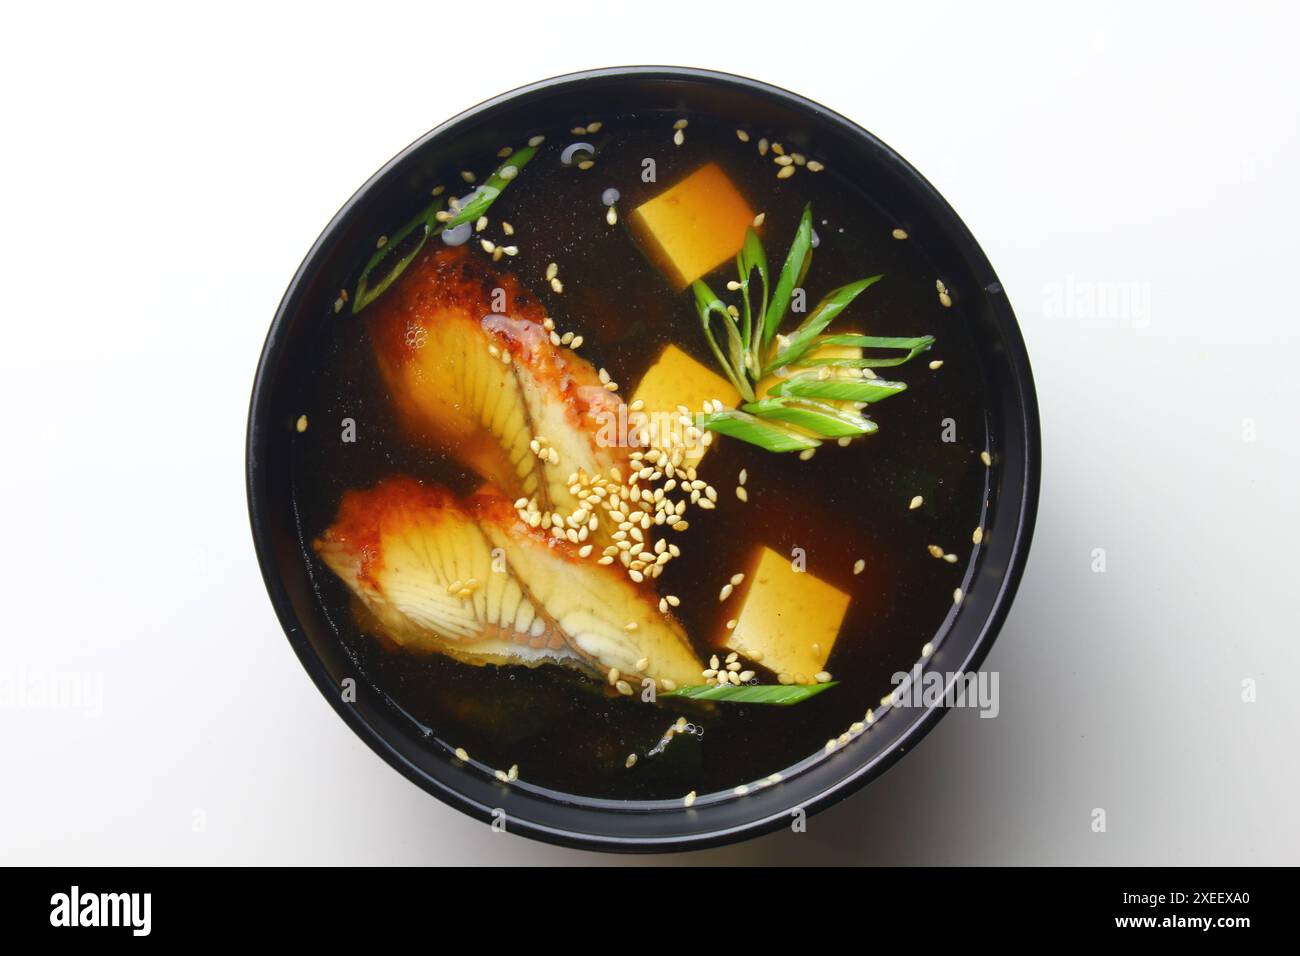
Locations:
(977, 536)
(945, 300)
(859, 565)
(822, 677)
(301, 423)
(950, 558)
(466, 175)
(688, 799)
(935, 550)
(899, 233)
(536, 141)
(783, 160)
(557, 285)
(785, 172)
(381, 242)
(630, 761)
(552, 271)
(504, 151)
(915, 503)
(438, 190)
(741, 493)
(814, 166)
(807, 454)
(462, 755)
(758, 220)
(488, 245)
(594, 127)
(586, 164)
(624, 688)
(508, 229)
(508, 172)
(927, 649)
(501, 775)
(673, 600)
(681, 124)
(642, 664)
(481, 224)
(513, 772)
(613, 676)
(742, 136)
(611, 215)
(725, 592)
(956, 596)
(986, 458)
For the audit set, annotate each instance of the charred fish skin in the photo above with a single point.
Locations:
(472, 369)
(471, 580)
(424, 572)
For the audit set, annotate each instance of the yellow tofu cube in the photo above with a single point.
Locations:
(693, 227)
(789, 619)
(677, 379)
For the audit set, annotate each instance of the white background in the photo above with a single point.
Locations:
(165, 170)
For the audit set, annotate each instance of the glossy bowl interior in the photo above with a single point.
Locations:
(401, 186)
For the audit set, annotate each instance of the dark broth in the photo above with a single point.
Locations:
(564, 730)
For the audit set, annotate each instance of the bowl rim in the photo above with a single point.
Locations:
(1025, 508)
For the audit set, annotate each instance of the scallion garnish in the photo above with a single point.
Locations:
(486, 194)
(779, 694)
(396, 254)
(401, 249)
(808, 385)
(799, 411)
(757, 431)
(819, 417)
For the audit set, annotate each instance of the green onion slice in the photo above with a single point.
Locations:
(779, 694)
(757, 431)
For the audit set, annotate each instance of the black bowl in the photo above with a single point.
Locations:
(401, 186)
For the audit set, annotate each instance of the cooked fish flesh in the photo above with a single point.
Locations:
(473, 369)
(470, 579)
